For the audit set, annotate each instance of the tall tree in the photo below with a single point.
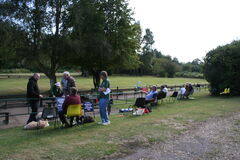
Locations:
(44, 23)
(147, 52)
(12, 38)
(106, 35)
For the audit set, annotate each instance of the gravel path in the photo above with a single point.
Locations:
(217, 138)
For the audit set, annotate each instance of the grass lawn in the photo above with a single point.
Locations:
(123, 136)
(18, 86)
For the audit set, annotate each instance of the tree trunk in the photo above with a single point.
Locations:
(53, 80)
(96, 79)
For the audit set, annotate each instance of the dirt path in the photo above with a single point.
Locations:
(217, 138)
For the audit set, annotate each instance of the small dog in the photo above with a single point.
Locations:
(36, 125)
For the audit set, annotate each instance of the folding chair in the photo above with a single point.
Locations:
(174, 96)
(74, 111)
(50, 113)
(226, 92)
(161, 96)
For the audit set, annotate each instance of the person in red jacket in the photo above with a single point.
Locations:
(72, 99)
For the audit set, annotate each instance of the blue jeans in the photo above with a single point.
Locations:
(103, 103)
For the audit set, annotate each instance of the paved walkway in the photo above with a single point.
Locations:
(217, 138)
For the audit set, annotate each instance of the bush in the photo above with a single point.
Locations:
(189, 75)
(18, 70)
(221, 68)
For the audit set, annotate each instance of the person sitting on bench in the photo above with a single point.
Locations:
(70, 100)
(152, 95)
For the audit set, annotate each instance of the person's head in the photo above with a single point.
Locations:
(154, 88)
(58, 85)
(66, 75)
(73, 91)
(162, 86)
(103, 75)
(37, 76)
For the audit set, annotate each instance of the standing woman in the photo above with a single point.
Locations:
(104, 90)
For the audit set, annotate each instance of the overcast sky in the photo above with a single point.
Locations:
(188, 29)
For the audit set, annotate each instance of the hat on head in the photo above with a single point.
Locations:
(66, 72)
(58, 84)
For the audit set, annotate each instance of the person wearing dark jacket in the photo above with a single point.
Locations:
(67, 82)
(56, 90)
(33, 95)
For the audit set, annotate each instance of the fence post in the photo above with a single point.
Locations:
(117, 92)
(41, 102)
(126, 98)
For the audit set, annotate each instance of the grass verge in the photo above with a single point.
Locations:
(123, 136)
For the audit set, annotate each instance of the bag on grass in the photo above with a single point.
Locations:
(125, 110)
(146, 110)
(88, 119)
(139, 112)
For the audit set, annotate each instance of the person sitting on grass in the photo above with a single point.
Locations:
(56, 90)
(72, 99)
(152, 95)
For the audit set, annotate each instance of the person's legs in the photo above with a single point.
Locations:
(34, 108)
(101, 109)
(62, 118)
(79, 120)
(71, 121)
(103, 104)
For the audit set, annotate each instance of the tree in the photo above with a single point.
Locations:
(147, 52)
(106, 35)
(163, 67)
(11, 39)
(221, 68)
(43, 22)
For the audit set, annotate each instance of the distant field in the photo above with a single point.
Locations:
(14, 86)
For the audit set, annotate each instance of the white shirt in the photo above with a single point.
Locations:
(165, 90)
(182, 91)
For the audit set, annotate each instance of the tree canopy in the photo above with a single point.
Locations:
(44, 25)
(221, 68)
(106, 34)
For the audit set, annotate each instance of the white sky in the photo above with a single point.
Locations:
(188, 29)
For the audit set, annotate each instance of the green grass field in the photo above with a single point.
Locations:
(122, 137)
(18, 86)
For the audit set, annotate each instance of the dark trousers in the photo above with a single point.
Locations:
(34, 107)
(64, 120)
